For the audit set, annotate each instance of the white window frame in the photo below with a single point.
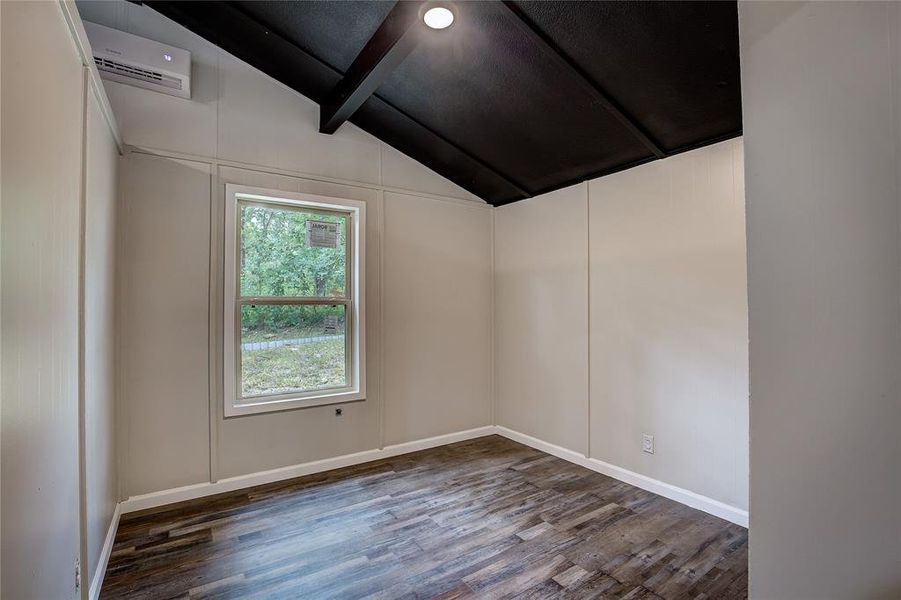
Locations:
(355, 320)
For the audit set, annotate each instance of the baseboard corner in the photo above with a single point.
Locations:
(703, 503)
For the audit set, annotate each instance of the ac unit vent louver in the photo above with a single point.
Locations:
(133, 60)
(110, 66)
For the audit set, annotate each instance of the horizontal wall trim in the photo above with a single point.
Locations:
(683, 496)
(200, 490)
(105, 551)
(221, 162)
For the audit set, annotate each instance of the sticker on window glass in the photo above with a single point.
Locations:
(321, 234)
(331, 324)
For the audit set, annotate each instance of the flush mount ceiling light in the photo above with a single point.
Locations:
(438, 17)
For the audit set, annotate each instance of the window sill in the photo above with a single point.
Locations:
(238, 410)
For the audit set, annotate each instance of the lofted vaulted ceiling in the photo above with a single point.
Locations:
(515, 98)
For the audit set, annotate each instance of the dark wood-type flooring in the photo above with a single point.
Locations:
(487, 518)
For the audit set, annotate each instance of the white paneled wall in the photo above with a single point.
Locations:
(262, 122)
(669, 321)
(663, 247)
(243, 127)
(541, 317)
(820, 95)
(434, 384)
(164, 271)
(58, 281)
(437, 317)
(100, 364)
(399, 171)
(42, 113)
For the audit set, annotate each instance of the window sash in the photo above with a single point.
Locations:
(354, 211)
(286, 204)
(299, 393)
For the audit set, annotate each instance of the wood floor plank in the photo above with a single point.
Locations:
(485, 518)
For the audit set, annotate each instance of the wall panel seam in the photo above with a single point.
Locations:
(121, 286)
(82, 400)
(212, 338)
(381, 337)
(493, 327)
(588, 318)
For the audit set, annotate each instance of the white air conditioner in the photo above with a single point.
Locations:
(134, 60)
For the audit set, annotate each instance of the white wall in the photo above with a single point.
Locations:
(669, 321)
(437, 330)
(428, 269)
(164, 226)
(541, 317)
(100, 363)
(42, 117)
(663, 248)
(820, 86)
(51, 516)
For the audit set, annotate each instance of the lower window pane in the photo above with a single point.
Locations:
(291, 348)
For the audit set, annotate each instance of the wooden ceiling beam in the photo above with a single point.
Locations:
(391, 43)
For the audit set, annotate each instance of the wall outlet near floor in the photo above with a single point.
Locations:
(647, 443)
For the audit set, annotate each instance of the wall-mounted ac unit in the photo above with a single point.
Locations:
(134, 60)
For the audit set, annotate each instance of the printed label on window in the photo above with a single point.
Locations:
(321, 234)
(331, 324)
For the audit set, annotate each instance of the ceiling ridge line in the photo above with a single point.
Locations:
(550, 48)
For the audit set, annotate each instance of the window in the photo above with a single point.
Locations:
(294, 319)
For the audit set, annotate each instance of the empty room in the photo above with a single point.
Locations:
(450, 299)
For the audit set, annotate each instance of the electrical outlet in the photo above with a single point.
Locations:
(647, 443)
(338, 412)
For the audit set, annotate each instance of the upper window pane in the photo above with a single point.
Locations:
(286, 251)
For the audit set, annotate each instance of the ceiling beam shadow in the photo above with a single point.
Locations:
(391, 43)
(550, 48)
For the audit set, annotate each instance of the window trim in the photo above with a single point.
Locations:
(354, 299)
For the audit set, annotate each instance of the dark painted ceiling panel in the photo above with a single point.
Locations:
(333, 31)
(512, 107)
(514, 99)
(675, 65)
(411, 138)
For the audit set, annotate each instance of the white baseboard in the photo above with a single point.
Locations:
(105, 551)
(231, 484)
(708, 505)
(190, 492)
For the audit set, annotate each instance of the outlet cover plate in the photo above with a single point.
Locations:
(647, 443)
